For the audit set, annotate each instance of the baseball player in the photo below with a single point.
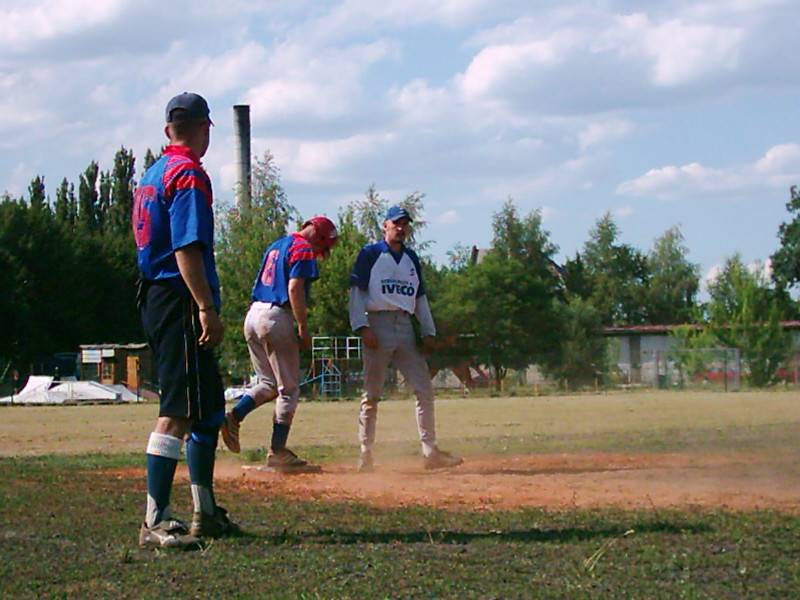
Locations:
(386, 288)
(280, 296)
(179, 301)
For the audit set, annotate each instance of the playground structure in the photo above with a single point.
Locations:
(330, 356)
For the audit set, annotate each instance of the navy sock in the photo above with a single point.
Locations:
(160, 473)
(200, 454)
(244, 407)
(280, 435)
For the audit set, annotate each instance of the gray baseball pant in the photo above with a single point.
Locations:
(396, 344)
(275, 354)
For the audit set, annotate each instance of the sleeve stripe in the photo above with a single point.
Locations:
(176, 166)
(189, 182)
(303, 254)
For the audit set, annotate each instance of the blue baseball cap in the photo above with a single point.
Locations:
(395, 213)
(192, 106)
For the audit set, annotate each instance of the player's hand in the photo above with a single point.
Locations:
(305, 338)
(369, 338)
(213, 329)
(428, 344)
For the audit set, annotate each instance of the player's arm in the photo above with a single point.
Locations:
(422, 311)
(297, 300)
(192, 269)
(359, 286)
(358, 317)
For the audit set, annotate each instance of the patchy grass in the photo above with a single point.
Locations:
(625, 416)
(66, 532)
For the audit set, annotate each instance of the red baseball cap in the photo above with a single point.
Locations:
(325, 234)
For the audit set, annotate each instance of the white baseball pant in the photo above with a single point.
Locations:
(275, 354)
(396, 344)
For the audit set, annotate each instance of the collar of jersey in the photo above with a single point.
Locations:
(183, 151)
(397, 257)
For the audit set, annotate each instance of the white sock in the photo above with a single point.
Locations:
(152, 510)
(428, 449)
(203, 501)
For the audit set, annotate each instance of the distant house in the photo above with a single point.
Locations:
(643, 348)
(126, 364)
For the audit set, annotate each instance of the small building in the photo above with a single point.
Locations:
(643, 350)
(126, 364)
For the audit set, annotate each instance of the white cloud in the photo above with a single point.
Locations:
(306, 83)
(418, 103)
(762, 269)
(549, 213)
(713, 274)
(323, 161)
(778, 168)
(448, 217)
(603, 131)
(24, 24)
(783, 158)
(583, 59)
(358, 16)
(622, 212)
(681, 52)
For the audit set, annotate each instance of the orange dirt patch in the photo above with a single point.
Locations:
(551, 481)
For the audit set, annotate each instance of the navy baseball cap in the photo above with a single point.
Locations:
(193, 106)
(395, 213)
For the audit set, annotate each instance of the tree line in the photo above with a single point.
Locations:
(70, 272)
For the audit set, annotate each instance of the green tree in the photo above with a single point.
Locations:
(329, 314)
(242, 240)
(786, 260)
(618, 274)
(36, 195)
(580, 355)
(88, 198)
(690, 350)
(62, 211)
(103, 208)
(508, 308)
(674, 281)
(506, 300)
(122, 186)
(576, 279)
(745, 313)
(150, 158)
(523, 238)
(369, 213)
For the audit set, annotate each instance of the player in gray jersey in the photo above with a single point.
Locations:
(386, 288)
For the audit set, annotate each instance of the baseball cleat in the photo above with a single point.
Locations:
(285, 460)
(170, 533)
(442, 460)
(213, 526)
(230, 432)
(365, 462)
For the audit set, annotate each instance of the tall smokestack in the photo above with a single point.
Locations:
(241, 129)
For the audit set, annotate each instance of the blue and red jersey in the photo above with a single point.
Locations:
(172, 209)
(290, 257)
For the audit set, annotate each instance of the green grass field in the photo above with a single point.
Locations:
(69, 529)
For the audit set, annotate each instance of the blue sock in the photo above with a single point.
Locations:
(160, 473)
(200, 453)
(244, 407)
(280, 435)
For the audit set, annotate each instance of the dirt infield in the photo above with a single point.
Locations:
(560, 481)
(550, 481)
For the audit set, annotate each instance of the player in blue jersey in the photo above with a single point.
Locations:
(280, 297)
(179, 302)
(386, 288)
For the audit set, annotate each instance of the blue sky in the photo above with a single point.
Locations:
(663, 113)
